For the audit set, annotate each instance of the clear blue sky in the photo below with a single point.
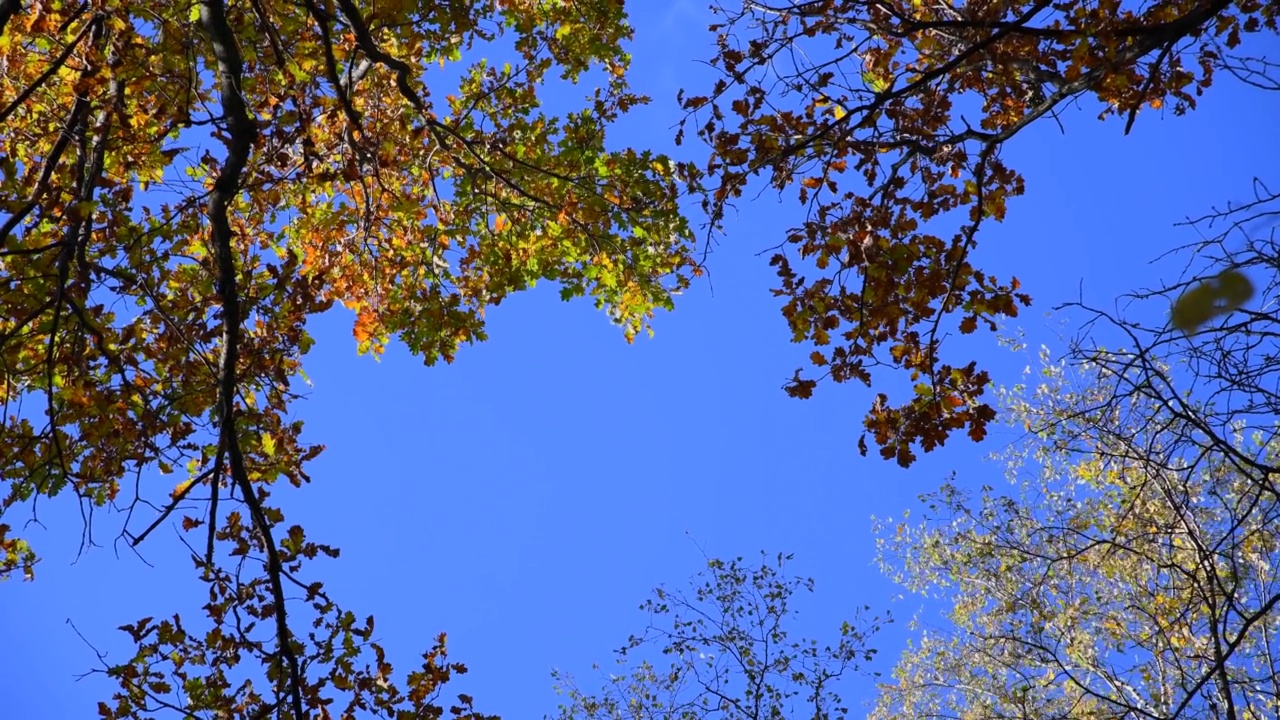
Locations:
(527, 497)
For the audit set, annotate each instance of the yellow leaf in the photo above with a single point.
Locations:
(179, 489)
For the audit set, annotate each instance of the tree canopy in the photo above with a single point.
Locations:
(727, 650)
(887, 120)
(185, 183)
(1130, 571)
(184, 186)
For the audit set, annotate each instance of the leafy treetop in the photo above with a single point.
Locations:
(886, 118)
(183, 184)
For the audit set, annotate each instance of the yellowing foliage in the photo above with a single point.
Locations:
(184, 184)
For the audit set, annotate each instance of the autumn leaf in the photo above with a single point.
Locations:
(1209, 299)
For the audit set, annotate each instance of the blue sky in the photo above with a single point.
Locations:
(526, 498)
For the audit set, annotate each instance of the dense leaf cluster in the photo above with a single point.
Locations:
(886, 119)
(184, 184)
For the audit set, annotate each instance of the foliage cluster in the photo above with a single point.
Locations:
(185, 183)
